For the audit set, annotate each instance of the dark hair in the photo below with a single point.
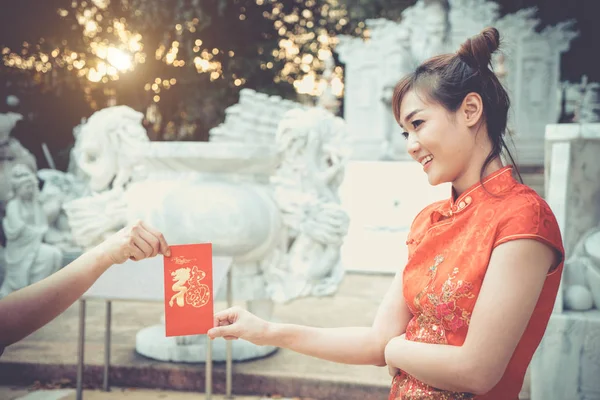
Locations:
(447, 79)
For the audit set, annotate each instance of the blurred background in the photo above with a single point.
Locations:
(183, 62)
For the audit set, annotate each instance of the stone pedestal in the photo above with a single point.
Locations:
(567, 363)
(152, 342)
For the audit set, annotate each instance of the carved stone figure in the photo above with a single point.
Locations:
(103, 146)
(430, 27)
(219, 192)
(104, 153)
(60, 188)
(313, 158)
(328, 100)
(11, 153)
(582, 274)
(28, 258)
(590, 105)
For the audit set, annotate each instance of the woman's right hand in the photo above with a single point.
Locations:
(237, 323)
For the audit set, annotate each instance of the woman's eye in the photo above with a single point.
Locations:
(416, 123)
(405, 134)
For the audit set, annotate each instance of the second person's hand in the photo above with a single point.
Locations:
(237, 323)
(135, 242)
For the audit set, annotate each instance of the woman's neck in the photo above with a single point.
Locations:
(473, 176)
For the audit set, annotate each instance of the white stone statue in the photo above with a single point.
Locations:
(582, 274)
(428, 22)
(114, 128)
(314, 153)
(219, 192)
(253, 119)
(11, 153)
(399, 64)
(60, 188)
(590, 105)
(73, 167)
(328, 100)
(28, 258)
(530, 63)
(104, 154)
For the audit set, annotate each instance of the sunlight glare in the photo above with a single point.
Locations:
(119, 59)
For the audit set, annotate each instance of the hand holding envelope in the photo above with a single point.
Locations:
(237, 323)
(134, 242)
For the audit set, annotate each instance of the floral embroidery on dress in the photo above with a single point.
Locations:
(405, 387)
(437, 312)
(451, 316)
(441, 312)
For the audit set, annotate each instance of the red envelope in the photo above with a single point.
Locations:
(189, 290)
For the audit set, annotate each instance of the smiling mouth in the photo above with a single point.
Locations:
(426, 160)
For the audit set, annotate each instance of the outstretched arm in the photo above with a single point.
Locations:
(350, 345)
(28, 309)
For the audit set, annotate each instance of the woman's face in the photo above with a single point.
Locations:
(436, 138)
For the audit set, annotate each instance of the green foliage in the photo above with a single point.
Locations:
(185, 59)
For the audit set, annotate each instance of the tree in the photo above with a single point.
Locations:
(181, 62)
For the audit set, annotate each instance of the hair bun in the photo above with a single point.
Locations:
(477, 50)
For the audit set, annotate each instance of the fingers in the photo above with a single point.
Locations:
(163, 246)
(151, 240)
(144, 246)
(225, 326)
(226, 317)
(135, 253)
(228, 332)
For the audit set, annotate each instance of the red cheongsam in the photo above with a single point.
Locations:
(449, 247)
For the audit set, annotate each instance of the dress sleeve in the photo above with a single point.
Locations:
(531, 218)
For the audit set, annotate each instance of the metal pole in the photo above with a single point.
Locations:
(229, 344)
(80, 350)
(208, 378)
(106, 384)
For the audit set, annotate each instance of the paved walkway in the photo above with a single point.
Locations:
(12, 393)
(50, 354)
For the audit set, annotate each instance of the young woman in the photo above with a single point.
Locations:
(465, 315)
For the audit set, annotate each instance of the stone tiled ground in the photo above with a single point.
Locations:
(49, 355)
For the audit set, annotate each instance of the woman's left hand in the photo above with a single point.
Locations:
(393, 371)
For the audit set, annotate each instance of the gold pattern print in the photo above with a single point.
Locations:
(437, 313)
(432, 273)
(182, 260)
(195, 293)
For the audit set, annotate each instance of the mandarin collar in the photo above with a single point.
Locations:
(494, 184)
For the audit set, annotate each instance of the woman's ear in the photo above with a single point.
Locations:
(472, 109)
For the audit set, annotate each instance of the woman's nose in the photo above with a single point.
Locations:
(413, 145)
